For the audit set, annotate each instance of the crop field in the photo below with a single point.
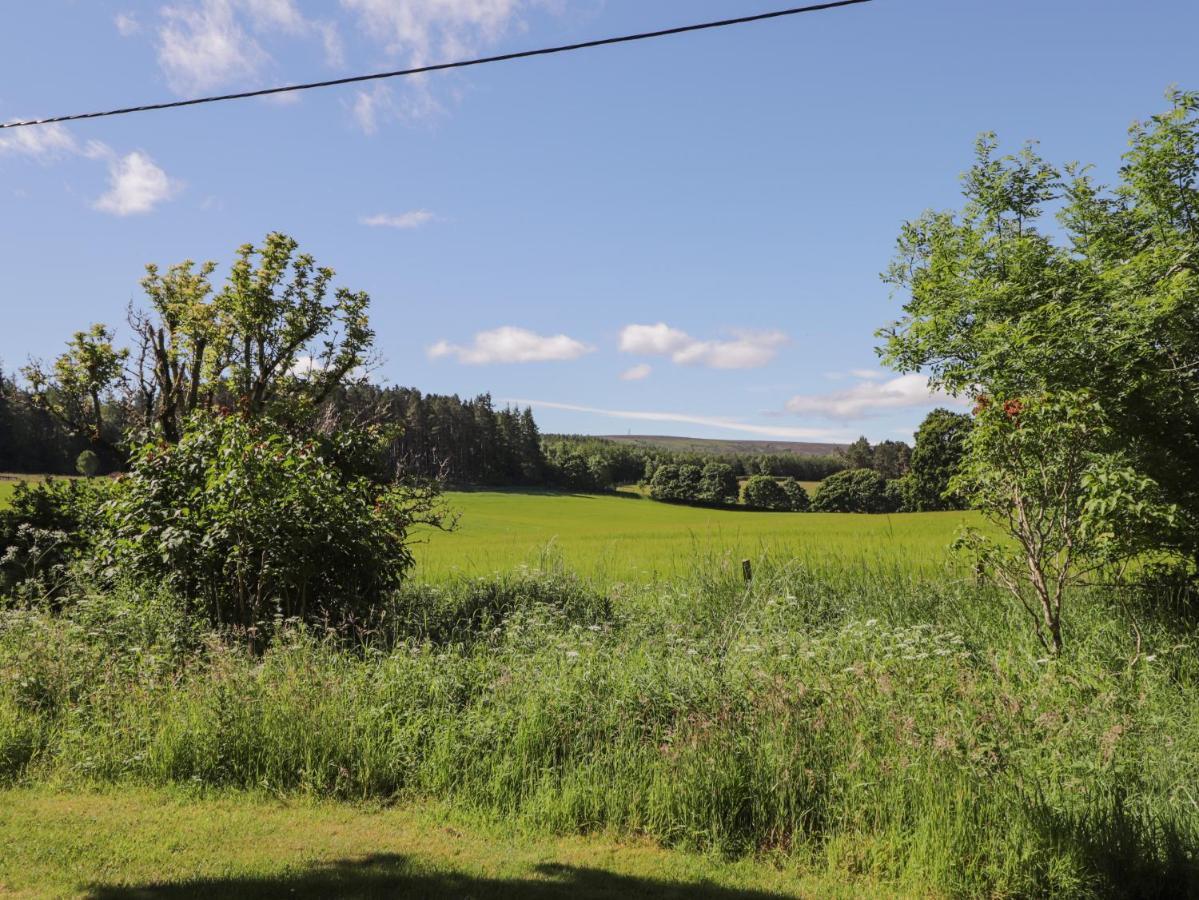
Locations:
(629, 538)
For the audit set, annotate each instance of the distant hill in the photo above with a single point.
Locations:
(721, 447)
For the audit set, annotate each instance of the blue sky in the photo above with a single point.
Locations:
(675, 237)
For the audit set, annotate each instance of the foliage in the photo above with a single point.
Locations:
(272, 342)
(936, 458)
(841, 721)
(73, 390)
(891, 459)
(676, 484)
(718, 485)
(249, 523)
(764, 492)
(797, 498)
(44, 529)
(853, 491)
(1038, 466)
(87, 464)
(859, 454)
(1002, 307)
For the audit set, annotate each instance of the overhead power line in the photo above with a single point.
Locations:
(440, 67)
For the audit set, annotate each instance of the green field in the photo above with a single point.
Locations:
(628, 538)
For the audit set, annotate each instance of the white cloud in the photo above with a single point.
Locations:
(867, 374)
(654, 340)
(414, 218)
(747, 350)
(206, 44)
(136, 185)
(276, 14)
(203, 46)
(420, 32)
(448, 28)
(779, 431)
(127, 24)
(509, 344)
(43, 143)
(636, 373)
(870, 397)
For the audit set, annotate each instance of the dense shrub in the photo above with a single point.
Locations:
(764, 492)
(87, 464)
(854, 490)
(718, 484)
(796, 495)
(676, 484)
(249, 523)
(46, 527)
(936, 459)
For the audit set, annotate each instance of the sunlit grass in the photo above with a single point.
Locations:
(627, 538)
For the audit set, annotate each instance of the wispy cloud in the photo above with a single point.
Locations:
(414, 218)
(510, 344)
(871, 397)
(42, 143)
(127, 24)
(747, 349)
(448, 28)
(637, 373)
(203, 46)
(213, 43)
(775, 431)
(136, 184)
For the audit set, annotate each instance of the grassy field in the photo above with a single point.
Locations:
(628, 538)
(138, 842)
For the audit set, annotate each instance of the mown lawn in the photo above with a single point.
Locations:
(145, 843)
(627, 538)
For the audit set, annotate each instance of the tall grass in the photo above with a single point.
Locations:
(853, 719)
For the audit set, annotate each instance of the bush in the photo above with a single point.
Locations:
(251, 523)
(676, 484)
(87, 464)
(43, 530)
(854, 490)
(763, 492)
(796, 495)
(718, 485)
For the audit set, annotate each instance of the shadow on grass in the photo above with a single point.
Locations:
(392, 875)
(1124, 856)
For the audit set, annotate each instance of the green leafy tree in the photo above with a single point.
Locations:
(1040, 468)
(891, 459)
(936, 458)
(74, 388)
(277, 340)
(855, 491)
(797, 498)
(87, 464)
(718, 484)
(764, 492)
(1107, 303)
(859, 454)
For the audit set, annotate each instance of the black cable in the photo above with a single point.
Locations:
(438, 67)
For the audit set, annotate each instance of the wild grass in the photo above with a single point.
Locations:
(859, 722)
